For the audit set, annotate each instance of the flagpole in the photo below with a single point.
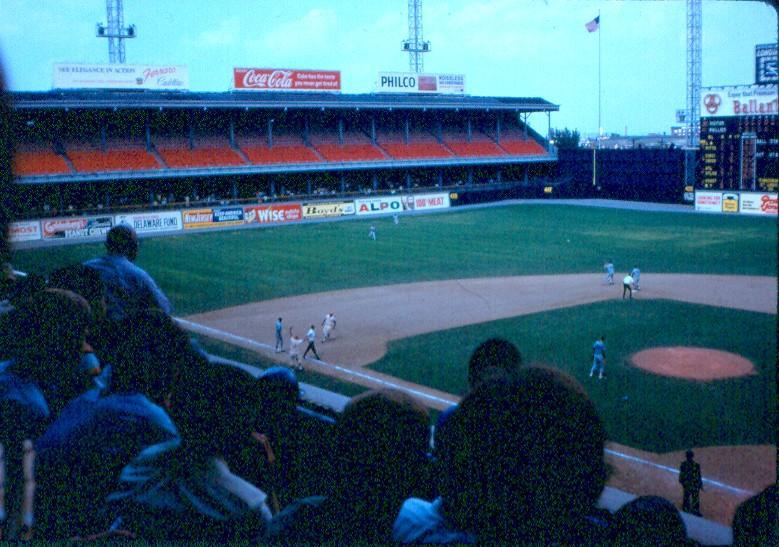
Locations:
(598, 137)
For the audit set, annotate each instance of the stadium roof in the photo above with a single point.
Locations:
(110, 99)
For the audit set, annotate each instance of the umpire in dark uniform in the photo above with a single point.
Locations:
(690, 479)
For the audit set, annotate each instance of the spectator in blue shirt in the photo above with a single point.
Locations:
(128, 287)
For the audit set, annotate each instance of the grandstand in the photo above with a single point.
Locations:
(240, 145)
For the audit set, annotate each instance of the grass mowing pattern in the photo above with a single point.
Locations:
(207, 271)
(660, 414)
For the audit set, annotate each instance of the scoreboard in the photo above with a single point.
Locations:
(739, 153)
(739, 139)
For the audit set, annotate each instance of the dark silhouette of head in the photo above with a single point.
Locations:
(381, 440)
(522, 458)
(648, 520)
(755, 521)
(495, 353)
(122, 240)
(689, 455)
(85, 282)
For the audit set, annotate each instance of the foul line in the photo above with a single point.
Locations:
(247, 341)
(676, 471)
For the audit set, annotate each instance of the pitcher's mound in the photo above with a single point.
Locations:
(692, 363)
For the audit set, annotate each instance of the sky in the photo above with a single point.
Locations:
(505, 48)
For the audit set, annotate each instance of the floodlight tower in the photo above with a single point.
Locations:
(115, 31)
(694, 24)
(415, 44)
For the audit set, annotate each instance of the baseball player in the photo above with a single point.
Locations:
(294, 349)
(636, 275)
(609, 267)
(328, 325)
(598, 357)
(279, 336)
(627, 286)
(372, 232)
(311, 336)
(395, 218)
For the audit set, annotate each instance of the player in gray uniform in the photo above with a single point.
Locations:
(635, 274)
(609, 267)
(372, 232)
(598, 357)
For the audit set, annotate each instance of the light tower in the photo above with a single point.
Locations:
(115, 31)
(415, 44)
(694, 24)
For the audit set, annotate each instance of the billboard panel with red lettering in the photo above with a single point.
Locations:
(759, 203)
(272, 214)
(286, 79)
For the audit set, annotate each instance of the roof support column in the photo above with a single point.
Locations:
(408, 180)
(375, 181)
(373, 131)
(470, 176)
(306, 130)
(439, 131)
(270, 133)
(103, 139)
(405, 133)
(499, 175)
(440, 178)
(470, 130)
(498, 121)
(191, 132)
(340, 130)
(148, 133)
(343, 182)
(232, 132)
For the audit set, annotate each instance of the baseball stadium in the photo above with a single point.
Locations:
(428, 222)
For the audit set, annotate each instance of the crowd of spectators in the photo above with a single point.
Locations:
(113, 423)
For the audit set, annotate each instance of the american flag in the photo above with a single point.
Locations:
(593, 25)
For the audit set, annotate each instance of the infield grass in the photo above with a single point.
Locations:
(639, 409)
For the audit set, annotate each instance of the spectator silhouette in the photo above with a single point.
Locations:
(128, 287)
(521, 461)
(755, 521)
(648, 520)
(381, 439)
(184, 490)
(81, 454)
(494, 353)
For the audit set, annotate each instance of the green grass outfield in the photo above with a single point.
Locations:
(639, 409)
(206, 271)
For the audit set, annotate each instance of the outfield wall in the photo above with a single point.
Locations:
(94, 227)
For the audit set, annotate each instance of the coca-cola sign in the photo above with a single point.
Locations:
(286, 79)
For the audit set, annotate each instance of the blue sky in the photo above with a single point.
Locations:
(514, 48)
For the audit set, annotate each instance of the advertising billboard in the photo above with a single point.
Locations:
(378, 206)
(143, 223)
(708, 201)
(328, 209)
(28, 230)
(754, 203)
(76, 227)
(739, 100)
(411, 82)
(426, 201)
(272, 214)
(116, 76)
(766, 66)
(286, 79)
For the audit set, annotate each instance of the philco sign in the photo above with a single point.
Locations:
(410, 82)
(752, 100)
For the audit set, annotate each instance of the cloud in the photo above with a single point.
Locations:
(226, 33)
(316, 29)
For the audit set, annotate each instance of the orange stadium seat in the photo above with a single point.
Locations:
(126, 158)
(414, 150)
(284, 153)
(350, 152)
(522, 147)
(39, 162)
(210, 156)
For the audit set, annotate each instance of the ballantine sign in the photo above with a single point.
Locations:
(754, 100)
(284, 79)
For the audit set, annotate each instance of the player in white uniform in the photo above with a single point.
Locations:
(328, 325)
(372, 232)
(294, 349)
(609, 267)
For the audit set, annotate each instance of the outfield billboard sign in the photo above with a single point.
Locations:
(425, 202)
(756, 203)
(76, 227)
(411, 82)
(286, 79)
(152, 222)
(118, 76)
(272, 214)
(741, 100)
(328, 209)
(27, 230)
(708, 202)
(197, 218)
(378, 206)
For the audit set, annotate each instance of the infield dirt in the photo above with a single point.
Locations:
(369, 318)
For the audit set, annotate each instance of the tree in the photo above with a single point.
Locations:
(565, 138)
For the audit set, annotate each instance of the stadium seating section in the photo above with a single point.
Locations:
(355, 147)
(177, 154)
(120, 157)
(32, 161)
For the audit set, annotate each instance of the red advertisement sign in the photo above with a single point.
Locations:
(286, 79)
(271, 214)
